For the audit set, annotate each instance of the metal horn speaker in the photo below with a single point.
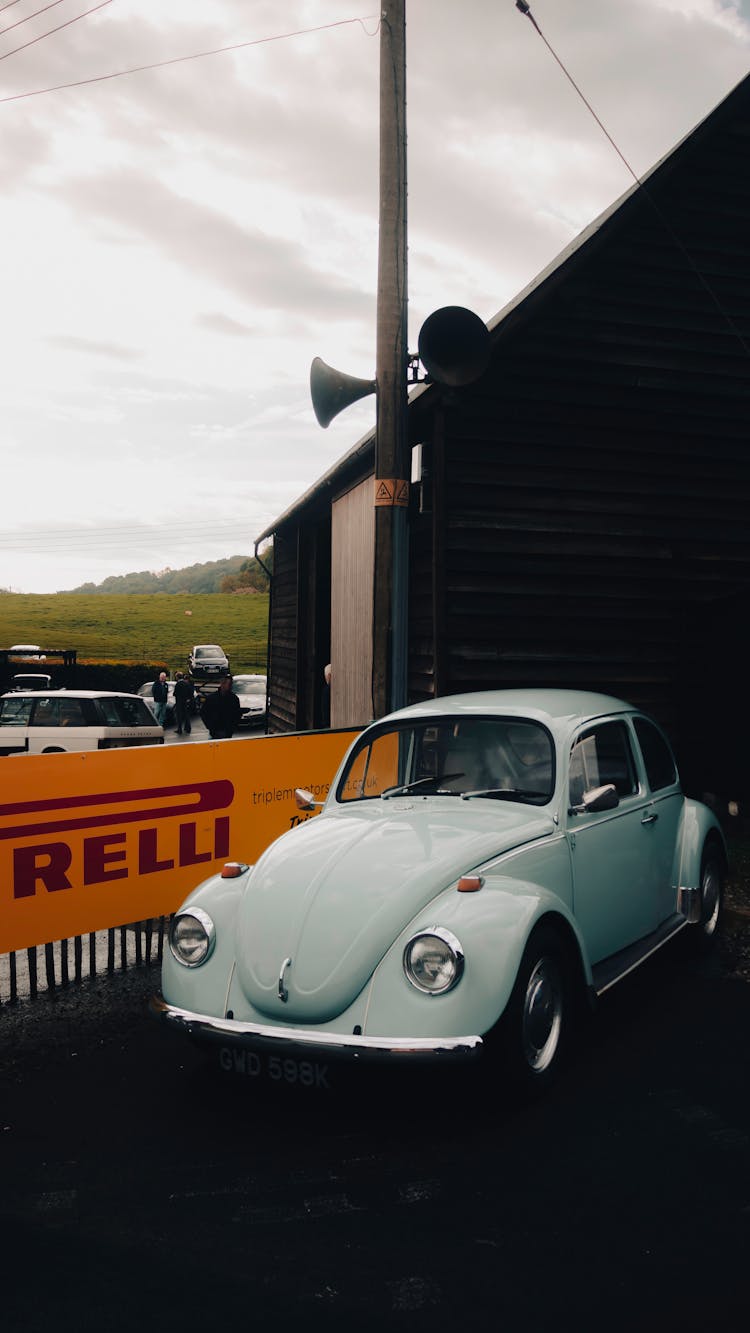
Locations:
(331, 390)
(454, 346)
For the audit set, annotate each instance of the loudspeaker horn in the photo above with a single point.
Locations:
(454, 346)
(331, 390)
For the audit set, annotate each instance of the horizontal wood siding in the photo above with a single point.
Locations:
(592, 506)
(585, 514)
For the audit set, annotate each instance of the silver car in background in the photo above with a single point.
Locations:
(251, 692)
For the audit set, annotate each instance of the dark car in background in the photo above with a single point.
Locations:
(207, 664)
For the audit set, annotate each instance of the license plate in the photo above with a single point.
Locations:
(276, 1068)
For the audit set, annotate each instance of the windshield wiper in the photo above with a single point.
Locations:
(503, 793)
(421, 782)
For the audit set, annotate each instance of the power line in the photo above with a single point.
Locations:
(525, 9)
(50, 32)
(28, 17)
(45, 540)
(196, 55)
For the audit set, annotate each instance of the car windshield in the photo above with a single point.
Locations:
(208, 650)
(501, 758)
(246, 685)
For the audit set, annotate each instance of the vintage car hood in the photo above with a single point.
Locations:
(333, 895)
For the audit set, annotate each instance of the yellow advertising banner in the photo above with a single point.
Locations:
(100, 839)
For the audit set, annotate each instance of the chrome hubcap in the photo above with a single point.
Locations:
(542, 1014)
(711, 901)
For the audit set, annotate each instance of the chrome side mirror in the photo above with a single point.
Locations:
(597, 798)
(305, 799)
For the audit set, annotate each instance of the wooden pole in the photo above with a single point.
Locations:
(392, 469)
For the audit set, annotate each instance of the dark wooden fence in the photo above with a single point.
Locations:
(48, 968)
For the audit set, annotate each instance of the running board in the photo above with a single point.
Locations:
(613, 969)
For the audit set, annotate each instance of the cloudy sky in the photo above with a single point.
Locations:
(178, 243)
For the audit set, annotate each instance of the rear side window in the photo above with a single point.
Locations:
(72, 712)
(657, 756)
(602, 756)
(125, 712)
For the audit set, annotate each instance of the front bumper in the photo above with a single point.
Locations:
(300, 1042)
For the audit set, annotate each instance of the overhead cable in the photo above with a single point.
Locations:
(50, 32)
(525, 9)
(28, 17)
(196, 55)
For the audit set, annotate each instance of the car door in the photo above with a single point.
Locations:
(665, 810)
(611, 850)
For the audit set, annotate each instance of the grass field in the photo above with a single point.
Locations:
(149, 628)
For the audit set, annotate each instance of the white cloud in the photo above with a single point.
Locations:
(178, 244)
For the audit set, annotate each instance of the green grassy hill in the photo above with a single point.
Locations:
(147, 628)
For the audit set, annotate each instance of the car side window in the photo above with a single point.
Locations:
(71, 713)
(15, 712)
(600, 756)
(657, 756)
(46, 713)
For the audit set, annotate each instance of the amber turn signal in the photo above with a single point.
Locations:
(470, 883)
(232, 869)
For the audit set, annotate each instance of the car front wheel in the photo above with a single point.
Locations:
(537, 1023)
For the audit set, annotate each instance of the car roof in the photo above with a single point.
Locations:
(71, 694)
(554, 707)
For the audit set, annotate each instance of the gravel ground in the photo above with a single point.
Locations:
(734, 944)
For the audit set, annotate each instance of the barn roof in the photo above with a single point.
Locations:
(726, 129)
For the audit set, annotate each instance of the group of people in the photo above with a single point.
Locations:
(220, 711)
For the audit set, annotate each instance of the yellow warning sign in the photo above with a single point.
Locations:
(391, 491)
(383, 492)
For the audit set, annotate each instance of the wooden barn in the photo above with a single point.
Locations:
(581, 513)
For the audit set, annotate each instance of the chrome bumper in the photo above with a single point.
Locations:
(301, 1041)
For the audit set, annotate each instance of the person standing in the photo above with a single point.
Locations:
(184, 697)
(221, 711)
(160, 692)
(325, 697)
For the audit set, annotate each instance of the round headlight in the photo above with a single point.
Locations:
(192, 936)
(434, 961)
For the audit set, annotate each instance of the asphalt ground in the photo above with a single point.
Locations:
(140, 1188)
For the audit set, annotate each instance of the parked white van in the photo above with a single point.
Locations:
(53, 721)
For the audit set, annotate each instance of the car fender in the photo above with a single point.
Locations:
(493, 927)
(204, 989)
(698, 825)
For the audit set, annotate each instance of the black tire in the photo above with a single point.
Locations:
(702, 936)
(536, 1028)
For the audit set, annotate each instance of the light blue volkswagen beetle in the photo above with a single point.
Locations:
(481, 863)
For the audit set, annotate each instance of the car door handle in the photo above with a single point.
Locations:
(649, 819)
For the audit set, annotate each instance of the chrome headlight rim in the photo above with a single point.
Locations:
(458, 959)
(209, 930)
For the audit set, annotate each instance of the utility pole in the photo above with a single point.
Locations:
(392, 461)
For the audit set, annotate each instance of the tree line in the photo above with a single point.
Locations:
(235, 574)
